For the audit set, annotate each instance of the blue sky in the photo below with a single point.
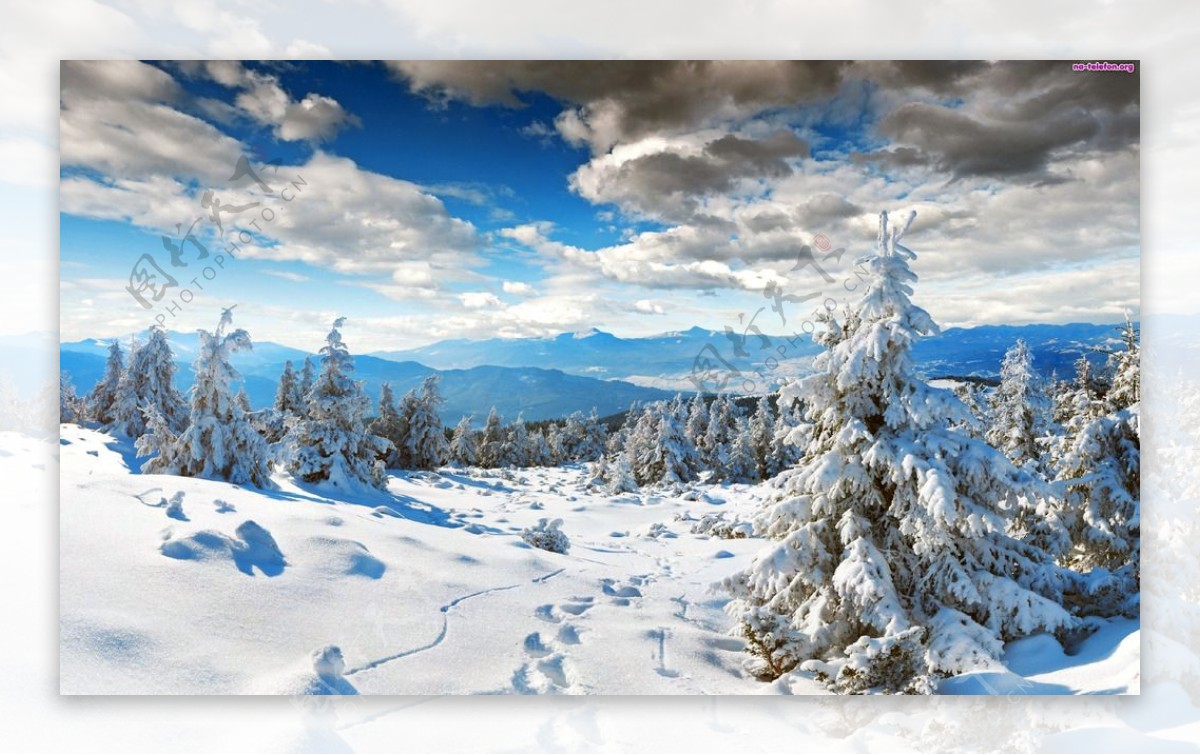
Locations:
(444, 200)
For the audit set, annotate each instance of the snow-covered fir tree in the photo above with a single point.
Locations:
(288, 397)
(70, 406)
(723, 417)
(697, 423)
(890, 564)
(514, 452)
(149, 381)
(219, 443)
(1016, 411)
(617, 475)
(103, 396)
(658, 449)
(389, 425)
(768, 462)
(464, 446)
(540, 454)
(1100, 478)
(333, 444)
(425, 439)
(307, 375)
(742, 464)
(491, 441)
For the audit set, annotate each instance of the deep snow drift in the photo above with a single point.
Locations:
(179, 585)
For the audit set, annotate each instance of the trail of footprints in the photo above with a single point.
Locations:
(547, 669)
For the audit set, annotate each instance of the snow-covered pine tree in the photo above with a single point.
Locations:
(389, 425)
(464, 446)
(891, 565)
(762, 440)
(287, 396)
(304, 387)
(617, 475)
(742, 465)
(514, 451)
(697, 425)
(970, 394)
(70, 407)
(1126, 390)
(425, 439)
(332, 444)
(1100, 476)
(641, 442)
(1016, 413)
(100, 401)
(1017, 422)
(723, 415)
(540, 454)
(593, 439)
(219, 443)
(491, 441)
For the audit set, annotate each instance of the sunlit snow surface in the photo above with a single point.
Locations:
(430, 589)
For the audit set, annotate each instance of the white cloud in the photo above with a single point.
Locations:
(480, 300)
(518, 288)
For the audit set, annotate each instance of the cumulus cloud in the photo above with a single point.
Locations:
(518, 288)
(315, 118)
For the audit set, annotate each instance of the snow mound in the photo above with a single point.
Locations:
(251, 547)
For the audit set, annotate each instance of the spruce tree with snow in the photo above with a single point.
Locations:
(593, 439)
(514, 451)
(540, 454)
(697, 423)
(219, 442)
(659, 451)
(491, 441)
(288, 397)
(767, 462)
(742, 465)
(1015, 409)
(890, 565)
(617, 475)
(70, 406)
(425, 440)
(1100, 476)
(100, 402)
(464, 447)
(389, 425)
(304, 387)
(719, 435)
(333, 444)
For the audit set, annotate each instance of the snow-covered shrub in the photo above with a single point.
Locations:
(547, 535)
(716, 525)
(890, 665)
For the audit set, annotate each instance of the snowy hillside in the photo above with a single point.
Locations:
(185, 586)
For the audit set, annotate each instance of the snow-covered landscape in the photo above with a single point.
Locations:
(429, 588)
(861, 531)
(606, 377)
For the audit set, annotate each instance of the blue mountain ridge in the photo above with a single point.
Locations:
(552, 377)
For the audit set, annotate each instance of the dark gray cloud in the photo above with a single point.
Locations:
(633, 98)
(1020, 119)
(669, 185)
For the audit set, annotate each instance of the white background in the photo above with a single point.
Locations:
(1162, 35)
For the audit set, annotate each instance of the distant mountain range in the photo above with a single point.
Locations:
(552, 377)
